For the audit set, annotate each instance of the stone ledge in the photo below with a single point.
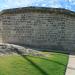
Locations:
(38, 9)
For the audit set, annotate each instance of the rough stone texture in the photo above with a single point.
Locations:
(0, 30)
(11, 49)
(39, 27)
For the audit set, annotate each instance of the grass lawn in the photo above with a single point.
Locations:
(55, 64)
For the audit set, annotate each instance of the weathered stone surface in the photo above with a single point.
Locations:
(39, 27)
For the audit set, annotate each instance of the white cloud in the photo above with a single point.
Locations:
(43, 3)
(23, 3)
(70, 1)
(55, 3)
(48, 3)
(17, 3)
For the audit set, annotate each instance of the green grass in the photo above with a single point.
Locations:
(55, 64)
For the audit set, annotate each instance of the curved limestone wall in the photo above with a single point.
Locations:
(52, 30)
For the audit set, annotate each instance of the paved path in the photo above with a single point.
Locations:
(71, 65)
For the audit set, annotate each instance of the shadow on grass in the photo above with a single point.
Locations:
(37, 66)
(34, 64)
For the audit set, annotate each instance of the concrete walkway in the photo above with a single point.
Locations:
(71, 65)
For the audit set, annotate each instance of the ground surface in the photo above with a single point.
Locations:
(54, 64)
(71, 65)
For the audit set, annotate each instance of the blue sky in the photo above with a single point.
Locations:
(68, 4)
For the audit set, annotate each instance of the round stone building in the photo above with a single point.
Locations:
(39, 27)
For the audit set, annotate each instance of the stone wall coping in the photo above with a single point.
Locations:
(37, 9)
